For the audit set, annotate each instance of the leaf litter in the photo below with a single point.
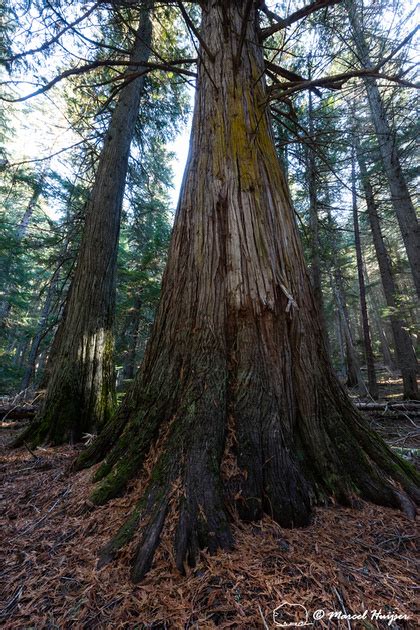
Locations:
(347, 560)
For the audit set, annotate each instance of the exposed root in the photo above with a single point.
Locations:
(184, 471)
(151, 535)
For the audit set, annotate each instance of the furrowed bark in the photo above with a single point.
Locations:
(80, 393)
(236, 407)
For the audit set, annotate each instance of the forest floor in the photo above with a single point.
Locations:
(346, 562)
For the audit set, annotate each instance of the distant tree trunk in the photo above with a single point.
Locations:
(367, 342)
(132, 337)
(236, 391)
(406, 357)
(340, 343)
(21, 349)
(385, 346)
(22, 228)
(354, 374)
(400, 196)
(315, 265)
(352, 364)
(81, 386)
(36, 341)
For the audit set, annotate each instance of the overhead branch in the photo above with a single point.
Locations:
(53, 40)
(128, 77)
(191, 26)
(400, 45)
(287, 74)
(335, 82)
(149, 66)
(270, 14)
(296, 16)
(47, 157)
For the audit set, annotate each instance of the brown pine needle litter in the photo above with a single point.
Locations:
(347, 560)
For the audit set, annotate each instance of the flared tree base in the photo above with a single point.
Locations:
(226, 452)
(68, 413)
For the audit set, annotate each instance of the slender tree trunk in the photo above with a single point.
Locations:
(403, 346)
(400, 196)
(236, 391)
(352, 363)
(315, 266)
(132, 336)
(21, 350)
(81, 387)
(367, 342)
(354, 374)
(36, 341)
(22, 228)
(385, 346)
(40, 366)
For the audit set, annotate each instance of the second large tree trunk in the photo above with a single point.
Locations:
(80, 393)
(236, 392)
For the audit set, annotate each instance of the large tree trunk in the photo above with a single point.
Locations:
(406, 357)
(236, 391)
(81, 386)
(400, 196)
(367, 342)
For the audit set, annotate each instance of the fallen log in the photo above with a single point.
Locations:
(17, 413)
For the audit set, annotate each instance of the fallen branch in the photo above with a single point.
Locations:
(410, 405)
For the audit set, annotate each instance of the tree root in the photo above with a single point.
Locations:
(286, 453)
